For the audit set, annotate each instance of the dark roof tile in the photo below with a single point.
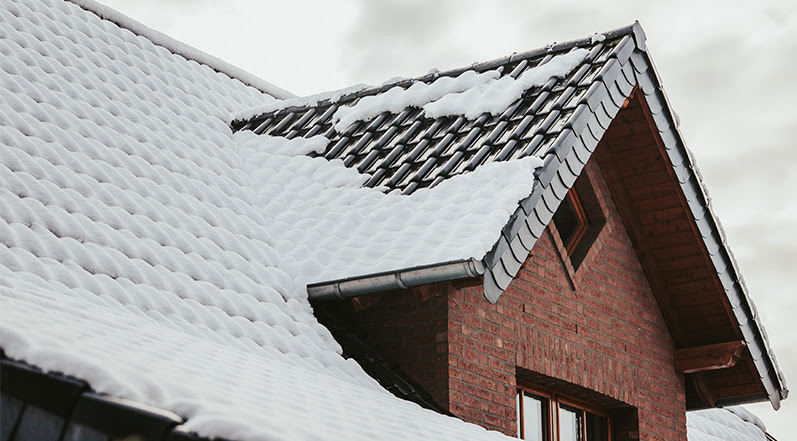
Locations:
(416, 151)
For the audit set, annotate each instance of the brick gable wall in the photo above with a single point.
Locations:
(597, 327)
(594, 333)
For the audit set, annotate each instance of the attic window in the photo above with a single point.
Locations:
(571, 221)
(578, 222)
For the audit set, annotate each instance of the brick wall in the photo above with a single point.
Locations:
(596, 329)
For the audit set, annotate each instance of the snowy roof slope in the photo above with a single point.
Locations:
(727, 424)
(419, 133)
(326, 226)
(132, 254)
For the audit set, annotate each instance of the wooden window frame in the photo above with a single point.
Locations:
(581, 219)
(553, 402)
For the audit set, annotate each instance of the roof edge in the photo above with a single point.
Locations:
(564, 160)
(723, 260)
(390, 280)
(179, 48)
(73, 401)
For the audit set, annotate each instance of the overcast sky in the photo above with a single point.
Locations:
(728, 67)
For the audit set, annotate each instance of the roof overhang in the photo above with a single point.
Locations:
(630, 78)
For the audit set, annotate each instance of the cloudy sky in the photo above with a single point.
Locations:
(729, 68)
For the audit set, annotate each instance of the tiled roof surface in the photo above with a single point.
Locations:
(37, 405)
(728, 424)
(560, 122)
(408, 151)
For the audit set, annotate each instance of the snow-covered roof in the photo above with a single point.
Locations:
(151, 252)
(132, 251)
(728, 424)
(417, 134)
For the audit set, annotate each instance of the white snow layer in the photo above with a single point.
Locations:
(326, 227)
(727, 424)
(133, 252)
(310, 100)
(470, 94)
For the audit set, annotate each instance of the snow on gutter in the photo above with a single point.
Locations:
(180, 48)
(392, 280)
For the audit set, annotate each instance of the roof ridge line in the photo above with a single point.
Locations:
(634, 29)
(179, 48)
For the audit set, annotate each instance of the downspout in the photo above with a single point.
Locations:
(392, 280)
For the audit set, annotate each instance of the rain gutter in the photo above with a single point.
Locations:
(392, 280)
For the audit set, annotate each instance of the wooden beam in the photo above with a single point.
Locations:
(703, 391)
(708, 357)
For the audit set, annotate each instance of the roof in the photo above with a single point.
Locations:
(133, 256)
(144, 247)
(182, 49)
(399, 140)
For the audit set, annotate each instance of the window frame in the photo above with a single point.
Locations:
(579, 216)
(553, 402)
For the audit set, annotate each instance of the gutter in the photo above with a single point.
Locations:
(391, 280)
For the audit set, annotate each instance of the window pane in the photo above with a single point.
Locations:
(517, 406)
(597, 428)
(566, 220)
(534, 417)
(570, 424)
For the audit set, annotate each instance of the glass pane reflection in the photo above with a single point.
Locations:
(533, 418)
(570, 423)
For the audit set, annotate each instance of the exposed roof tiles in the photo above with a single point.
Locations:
(408, 150)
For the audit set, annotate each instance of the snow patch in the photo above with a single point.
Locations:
(397, 99)
(597, 38)
(470, 94)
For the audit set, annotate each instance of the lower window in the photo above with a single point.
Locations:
(547, 416)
